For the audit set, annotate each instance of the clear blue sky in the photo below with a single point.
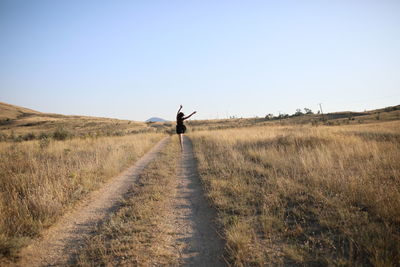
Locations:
(138, 59)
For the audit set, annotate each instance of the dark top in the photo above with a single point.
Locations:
(179, 121)
(180, 127)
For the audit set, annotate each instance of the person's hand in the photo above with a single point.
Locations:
(181, 106)
(194, 112)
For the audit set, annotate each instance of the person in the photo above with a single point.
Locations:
(180, 127)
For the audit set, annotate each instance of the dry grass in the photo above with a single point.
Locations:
(137, 234)
(74, 126)
(8, 111)
(40, 181)
(331, 119)
(19, 124)
(306, 195)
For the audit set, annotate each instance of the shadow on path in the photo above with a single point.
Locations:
(194, 218)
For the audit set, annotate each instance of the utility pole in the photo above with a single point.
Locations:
(320, 108)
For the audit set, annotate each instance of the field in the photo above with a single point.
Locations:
(299, 190)
(305, 195)
(40, 180)
(331, 119)
(21, 124)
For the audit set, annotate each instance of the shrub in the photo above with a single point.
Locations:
(3, 137)
(6, 121)
(28, 136)
(61, 134)
(44, 142)
(43, 135)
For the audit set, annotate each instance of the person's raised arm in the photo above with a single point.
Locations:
(179, 110)
(187, 117)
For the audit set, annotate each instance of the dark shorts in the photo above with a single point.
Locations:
(180, 129)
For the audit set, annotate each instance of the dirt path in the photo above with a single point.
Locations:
(59, 243)
(193, 218)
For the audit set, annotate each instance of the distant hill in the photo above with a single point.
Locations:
(19, 123)
(12, 112)
(336, 118)
(16, 121)
(155, 119)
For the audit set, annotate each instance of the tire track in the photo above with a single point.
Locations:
(60, 243)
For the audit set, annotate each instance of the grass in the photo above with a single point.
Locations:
(287, 193)
(303, 195)
(21, 124)
(137, 234)
(40, 180)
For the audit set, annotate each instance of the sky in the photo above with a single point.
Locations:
(139, 59)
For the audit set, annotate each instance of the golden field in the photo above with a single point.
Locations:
(326, 195)
(137, 234)
(22, 124)
(41, 179)
(291, 191)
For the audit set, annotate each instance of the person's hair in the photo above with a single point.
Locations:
(180, 115)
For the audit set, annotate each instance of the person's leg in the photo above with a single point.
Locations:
(181, 141)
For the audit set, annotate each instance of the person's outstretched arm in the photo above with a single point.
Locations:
(187, 117)
(179, 110)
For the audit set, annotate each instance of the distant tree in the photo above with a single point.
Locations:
(283, 116)
(393, 108)
(298, 112)
(308, 111)
(269, 116)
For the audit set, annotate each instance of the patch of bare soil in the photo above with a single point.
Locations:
(60, 243)
(193, 219)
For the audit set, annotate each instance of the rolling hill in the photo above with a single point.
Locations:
(20, 121)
